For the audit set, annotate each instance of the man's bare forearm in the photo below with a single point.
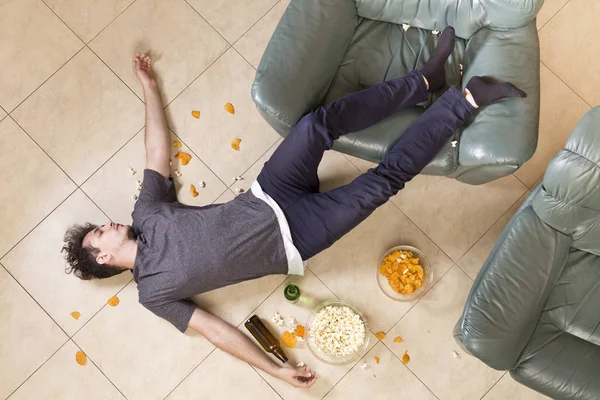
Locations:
(157, 138)
(232, 341)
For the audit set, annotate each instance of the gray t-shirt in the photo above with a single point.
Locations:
(185, 250)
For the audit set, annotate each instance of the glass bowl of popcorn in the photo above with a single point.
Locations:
(404, 274)
(337, 333)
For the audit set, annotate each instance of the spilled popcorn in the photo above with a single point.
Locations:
(177, 173)
(300, 365)
(277, 319)
(454, 143)
(202, 184)
(132, 171)
(435, 32)
(405, 27)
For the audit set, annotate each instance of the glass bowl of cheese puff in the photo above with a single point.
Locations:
(404, 274)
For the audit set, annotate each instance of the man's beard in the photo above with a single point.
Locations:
(129, 234)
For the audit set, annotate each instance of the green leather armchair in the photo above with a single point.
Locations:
(534, 308)
(325, 49)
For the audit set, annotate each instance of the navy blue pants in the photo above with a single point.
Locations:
(317, 220)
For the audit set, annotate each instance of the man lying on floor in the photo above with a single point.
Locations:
(177, 251)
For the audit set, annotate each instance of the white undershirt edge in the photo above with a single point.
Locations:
(295, 264)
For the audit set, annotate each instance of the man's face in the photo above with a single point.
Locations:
(108, 238)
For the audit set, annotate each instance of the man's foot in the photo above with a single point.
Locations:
(433, 71)
(142, 67)
(485, 92)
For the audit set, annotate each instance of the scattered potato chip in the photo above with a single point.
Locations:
(299, 331)
(404, 273)
(289, 339)
(377, 359)
(380, 335)
(235, 144)
(177, 144)
(184, 157)
(193, 191)
(80, 357)
(374, 376)
(113, 301)
(196, 114)
(76, 315)
(398, 339)
(405, 358)
(229, 108)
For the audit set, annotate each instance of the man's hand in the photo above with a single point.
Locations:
(157, 138)
(298, 377)
(142, 68)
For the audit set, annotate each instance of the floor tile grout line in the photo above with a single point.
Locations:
(115, 74)
(46, 80)
(137, 132)
(494, 385)
(267, 382)
(194, 80)
(565, 83)
(488, 230)
(192, 370)
(90, 359)
(524, 184)
(552, 17)
(101, 308)
(244, 58)
(37, 369)
(36, 225)
(33, 298)
(206, 20)
(410, 370)
(111, 22)
(63, 22)
(256, 23)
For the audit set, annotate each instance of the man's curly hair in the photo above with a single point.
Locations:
(82, 260)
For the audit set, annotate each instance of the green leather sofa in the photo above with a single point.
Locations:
(534, 308)
(325, 49)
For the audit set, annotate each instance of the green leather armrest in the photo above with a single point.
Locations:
(504, 133)
(301, 59)
(507, 298)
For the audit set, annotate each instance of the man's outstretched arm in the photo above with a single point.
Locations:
(234, 342)
(157, 138)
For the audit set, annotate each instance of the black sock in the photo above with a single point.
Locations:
(486, 92)
(433, 70)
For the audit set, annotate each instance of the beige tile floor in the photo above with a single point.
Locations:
(70, 127)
